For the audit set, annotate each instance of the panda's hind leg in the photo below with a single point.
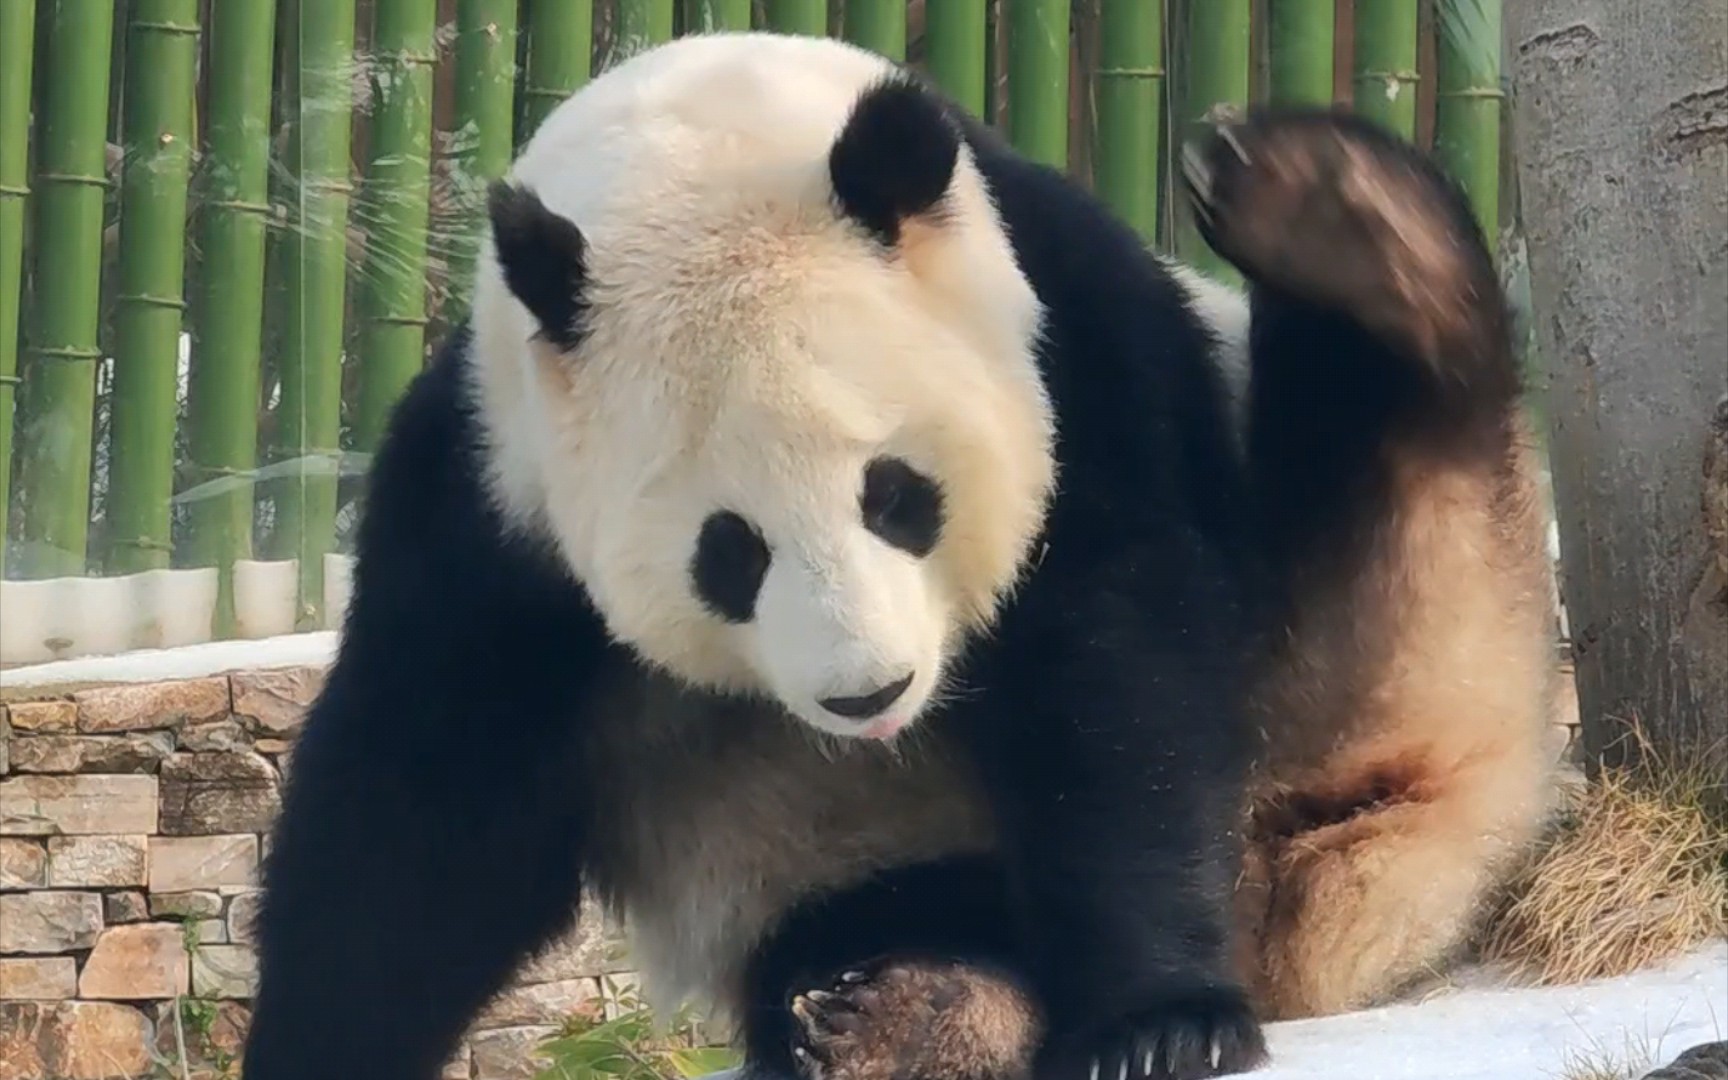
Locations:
(1370, 883)
(1324, 210)
(1405, 709)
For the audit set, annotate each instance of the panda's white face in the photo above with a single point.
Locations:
(783, 456)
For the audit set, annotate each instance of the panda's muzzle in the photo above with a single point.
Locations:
(865, 706)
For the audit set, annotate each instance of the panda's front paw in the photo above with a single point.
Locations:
(1185, 1038)
(1333, 211)
(903, 1018)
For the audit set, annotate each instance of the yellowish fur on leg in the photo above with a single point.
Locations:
(1376, 839)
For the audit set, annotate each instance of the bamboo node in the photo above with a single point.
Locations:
(1131, 73)
(239, 206)
(16, 191)
(208, 472)
(190, 29)
(1485, 93)
(151, 301)
(143, 543)
(1406, 77)
(65, 353)
(402, 320)
(545, 92)
(10, 380)
(72, 178)
(410, 58)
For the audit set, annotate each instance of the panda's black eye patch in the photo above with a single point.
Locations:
(902, 505)
(730, 561)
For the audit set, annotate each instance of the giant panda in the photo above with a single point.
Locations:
(955, 642)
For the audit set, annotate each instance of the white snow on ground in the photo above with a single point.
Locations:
(1491, 1033)
(180, 662)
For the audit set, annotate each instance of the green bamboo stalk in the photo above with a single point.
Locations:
(1130, 77)
(560, 57)
(1301, 33)
(485, 103)
(954, 49)
(393, 209)
(995, 63)
(709, 16)
(799, 16)
(161, 77)
(1467, 105)
(222, 395)
(878, 25)
(642, 24)
(1038, 79)
(1385, 76)
(309, 411)
(1216, 67)
(17, 38)
(54, 428)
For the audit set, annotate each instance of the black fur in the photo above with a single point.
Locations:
(543, 257)
(894, 159)
(730, 562)
(902, 506)
(415, 866)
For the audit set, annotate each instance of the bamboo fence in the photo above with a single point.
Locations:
(231, 231)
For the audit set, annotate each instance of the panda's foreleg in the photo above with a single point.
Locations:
(911, 1016)
(892, 979)
(1115, 748)
(405, 882)
(433, 819)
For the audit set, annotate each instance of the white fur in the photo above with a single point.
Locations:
(1225, 312)
(747, 349)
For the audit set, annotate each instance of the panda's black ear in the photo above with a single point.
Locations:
(895, 158)
(543, 258)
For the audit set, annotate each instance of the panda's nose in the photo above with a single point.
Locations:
(864, 706)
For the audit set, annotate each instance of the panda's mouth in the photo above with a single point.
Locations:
(884, 728)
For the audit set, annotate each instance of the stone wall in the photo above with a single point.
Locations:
(132, 822)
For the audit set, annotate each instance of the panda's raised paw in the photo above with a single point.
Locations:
(1334, 211)
(913, 1019)
(1183, 1040)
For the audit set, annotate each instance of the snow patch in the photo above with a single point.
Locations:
(187, 662)
(1498, 1032)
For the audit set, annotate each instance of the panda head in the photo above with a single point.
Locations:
(753, 350)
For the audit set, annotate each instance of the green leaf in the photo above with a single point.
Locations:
(701, 1061)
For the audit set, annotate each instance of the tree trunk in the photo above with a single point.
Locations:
(1621, 134)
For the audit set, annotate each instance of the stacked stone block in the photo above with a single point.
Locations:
(133, 819)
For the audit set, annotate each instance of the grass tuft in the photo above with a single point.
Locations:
(1636, 874)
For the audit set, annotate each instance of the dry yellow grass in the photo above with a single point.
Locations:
(1636, 873)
